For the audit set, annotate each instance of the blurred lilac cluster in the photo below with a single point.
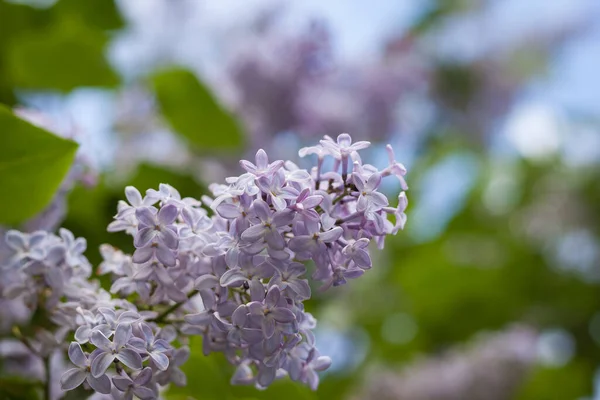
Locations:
(492, 367)
(231, 273)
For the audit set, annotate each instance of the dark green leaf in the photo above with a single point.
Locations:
(17, 388)
(194, 113)
(33, 163)
(67, 55)
(102, 14)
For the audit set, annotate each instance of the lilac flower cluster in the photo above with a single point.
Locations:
(228, 268)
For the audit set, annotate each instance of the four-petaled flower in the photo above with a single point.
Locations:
(76, 376)
(135, 386)
(108, 351)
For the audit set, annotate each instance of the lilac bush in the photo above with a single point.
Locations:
(228, 268)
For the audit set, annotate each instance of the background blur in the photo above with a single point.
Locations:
(491, 292)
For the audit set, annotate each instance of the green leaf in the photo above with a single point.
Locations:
(208, 378)
(33, 163)
(194, 113)
(64, 56)
(17, 388)
(103, 14)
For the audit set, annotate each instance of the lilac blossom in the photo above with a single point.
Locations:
(231, 276)
(115, 350)
(76, 376)
(135, 386)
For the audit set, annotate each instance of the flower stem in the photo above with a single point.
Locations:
(47, 377)
(162, 316)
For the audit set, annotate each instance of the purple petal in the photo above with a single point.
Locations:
(201, 318)
(145, 216)
(76, 355)
(165, 255)
(257, 290)
(358, 182)
(161, 345)
(240, 315)
(268, 327)
(208, 299)
(169, 238)
(373, 182)
(274, 239)
(143, 254)
(138, 343)
(284, 217)
(72, 378)
(312, 201)
(262, 160)
(228, 211)
(82, 334)
(161, 361)
(167, 214)
(101, 363)
(301, 243)
(122, 383)
(207, 281)
(273, 296)
(331, 235)
(144, 393)
(99, 340)
(266, 376)
(144, 236)
(143, 377)
(147, 332)
(16, 240)
(232, 277)
(252, 336)
(130, 358)
(122, 335)
(284, 315)
(278, 202)
(321, 363)
(128, 317)
(362, 203)
(379, 199)
(361, 258)
(100, 384)
(254, 233)
(248, 166)
(261, 209)
(312, 379)
(300, 287)
(133, 196)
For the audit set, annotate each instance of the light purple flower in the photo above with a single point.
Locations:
(395, 168)
(26, 246)
(109, 351)
(267, 227)
(157, 228)
(74, 377)
(156, 349)
(306, 364)
(262, 166)
(369, 198)
(271, 312)
(135, 386)
(358, 253)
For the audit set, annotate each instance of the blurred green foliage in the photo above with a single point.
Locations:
(33, 163)
(193, 112)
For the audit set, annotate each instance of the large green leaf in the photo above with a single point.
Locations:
(103, 14)
(208, 378)
(66, 55)
(33, 163)
(194, 113)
